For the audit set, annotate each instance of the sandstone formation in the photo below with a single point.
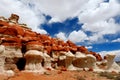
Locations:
(83, 61)
(34, 59)
(23, 49)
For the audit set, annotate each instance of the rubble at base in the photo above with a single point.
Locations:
(23, 49)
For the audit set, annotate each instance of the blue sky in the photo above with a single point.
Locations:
(92, 23)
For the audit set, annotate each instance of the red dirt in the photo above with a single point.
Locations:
(55, 75)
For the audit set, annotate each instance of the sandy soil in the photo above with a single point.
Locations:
(55, 75)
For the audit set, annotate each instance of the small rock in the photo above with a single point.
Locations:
(59, 72)
(47, 73)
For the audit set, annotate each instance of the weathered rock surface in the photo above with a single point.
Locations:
(34, 59)
(23, 49)
(84, 61)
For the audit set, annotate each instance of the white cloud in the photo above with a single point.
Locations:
(99, 11)
(96, 38)
(116, 40)
(98, 19)
(77, 36)
(116, 52)
(42, 31)
(101, 28)
(89, 47)
(61, 35)
(27, 15)
(86, 10)
(59, 10)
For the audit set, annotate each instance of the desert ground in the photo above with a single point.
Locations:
(56, 75)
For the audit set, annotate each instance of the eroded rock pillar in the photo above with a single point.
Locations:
(47, 61)
(84, 61)
(34, 59)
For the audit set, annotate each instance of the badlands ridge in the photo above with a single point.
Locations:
(25, 50)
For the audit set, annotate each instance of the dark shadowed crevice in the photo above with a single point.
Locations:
(23, 48)
(21, 63)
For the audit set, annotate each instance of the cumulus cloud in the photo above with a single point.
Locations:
(89, 47)
(116, 40)
(59, 10)
(95, 37)
(77, 36)
(101, 28)
(98, 19)
(61, 35)
(85, 10)
(99, 11)
(27, 15)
